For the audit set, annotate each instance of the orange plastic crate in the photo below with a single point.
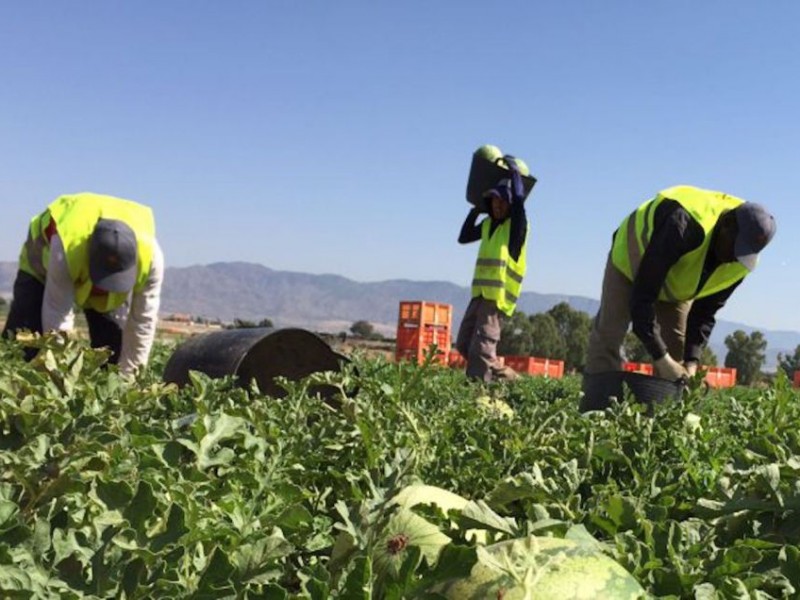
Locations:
(635, 367)
(720, 377)
(413, 342)
(425, 313)
(533, 365)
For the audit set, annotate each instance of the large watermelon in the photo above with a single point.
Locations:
(543, 568)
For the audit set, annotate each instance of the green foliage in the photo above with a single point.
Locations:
(789, 363)
(561, 333)
(574, 327)
(708, 358)
(515, 336)
(363, 329)
(111, 488)
(746, 354)
(633, 349)
(245, 324)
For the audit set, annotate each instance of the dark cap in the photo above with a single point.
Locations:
(501, 190)
(755, 230)
(113, 254)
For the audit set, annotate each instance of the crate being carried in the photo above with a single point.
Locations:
(420, 325)
(489, 166)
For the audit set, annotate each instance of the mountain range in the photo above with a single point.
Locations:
(331, 303)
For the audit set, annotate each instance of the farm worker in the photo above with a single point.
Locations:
(499, 270)
(98, 253)
(673, 264)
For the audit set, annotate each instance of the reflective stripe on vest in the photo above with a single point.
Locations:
(497, 276)
(75, 217)
(633, 237)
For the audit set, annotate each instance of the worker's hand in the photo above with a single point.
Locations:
(691, 367)
(667, 367)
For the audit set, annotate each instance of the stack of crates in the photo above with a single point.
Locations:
(419, 326)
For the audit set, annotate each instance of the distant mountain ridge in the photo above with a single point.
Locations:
(332, 303)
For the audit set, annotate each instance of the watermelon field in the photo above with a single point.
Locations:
(411, 482)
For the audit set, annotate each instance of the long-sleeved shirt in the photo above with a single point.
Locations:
(675, 233)
(138, 326)
(471, 231)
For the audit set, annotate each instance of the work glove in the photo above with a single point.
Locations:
(691, 367)
(517, 189)
(667, 367)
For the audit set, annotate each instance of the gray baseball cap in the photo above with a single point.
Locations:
(113, 253)
(756, 227)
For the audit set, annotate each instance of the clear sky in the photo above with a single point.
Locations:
(336, 137)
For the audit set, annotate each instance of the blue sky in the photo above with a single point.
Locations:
(335, 137)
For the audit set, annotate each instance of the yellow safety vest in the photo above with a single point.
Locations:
(706, 207)
(497, 276)
(75, 217)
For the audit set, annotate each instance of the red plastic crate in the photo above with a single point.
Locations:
(796, 379)
(720, 377)
(533, 365)
(635, 367)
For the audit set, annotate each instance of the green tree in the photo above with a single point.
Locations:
(546, 340)
(708, 358)
(746, 354)
(574, 327)
(363, 329)
(515, 336)
(789, 362)
(247, 324)
(633, 349)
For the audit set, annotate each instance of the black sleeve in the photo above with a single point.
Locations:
(519, 229)
(470, 231)
(675, 233)
(701, 321)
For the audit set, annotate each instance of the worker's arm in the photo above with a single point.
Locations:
(140, 327)
(59, 291)
(701, 322)
(519, 229)
(675, 233)
(470, 230)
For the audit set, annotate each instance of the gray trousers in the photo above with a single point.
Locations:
(614, 317)
(478, 337)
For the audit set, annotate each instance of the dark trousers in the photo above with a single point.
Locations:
(26, 313)
(478, 337)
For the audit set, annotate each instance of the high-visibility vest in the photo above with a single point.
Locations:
(497, 276)
(704, 206)
(75, 217)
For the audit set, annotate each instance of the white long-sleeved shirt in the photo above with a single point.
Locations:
(138, 323)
